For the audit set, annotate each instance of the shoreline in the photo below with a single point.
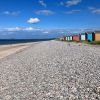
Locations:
(6, 50)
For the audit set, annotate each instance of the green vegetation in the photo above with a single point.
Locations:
(92, 42)
(95, 42)
(86, 42)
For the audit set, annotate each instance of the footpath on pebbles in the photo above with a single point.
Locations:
(51, 70)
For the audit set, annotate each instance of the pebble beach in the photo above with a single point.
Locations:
(51, 70)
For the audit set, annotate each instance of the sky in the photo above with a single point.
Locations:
(47, 18)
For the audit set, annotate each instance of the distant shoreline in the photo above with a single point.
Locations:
(17, 41)
(6, 50)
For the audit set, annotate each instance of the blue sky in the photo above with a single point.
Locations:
(47, 18)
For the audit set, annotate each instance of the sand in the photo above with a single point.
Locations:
(6, 50)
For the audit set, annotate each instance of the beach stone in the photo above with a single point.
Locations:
(51, 70)
(7, 97)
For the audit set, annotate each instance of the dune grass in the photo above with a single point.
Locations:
(86, 42)
(95, 42)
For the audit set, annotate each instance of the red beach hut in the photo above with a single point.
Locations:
(76, 38)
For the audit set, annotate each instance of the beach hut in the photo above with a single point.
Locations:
(76, 38)
(83, 37)
(71, 38)
(90, 36)
(68, 38)
(97, 36)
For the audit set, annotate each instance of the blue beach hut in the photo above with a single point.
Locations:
(90, 36)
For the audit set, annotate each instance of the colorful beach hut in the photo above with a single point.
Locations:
(83, 37)
(68, 38)
(71, 38)
(76, 38)
(90, 36)
(97, 36)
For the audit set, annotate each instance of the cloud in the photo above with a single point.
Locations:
(72, 11)
(72, 2)
(91, 8)
(17, 29)
(94, 10)
(11, 13)
(31, 29)
(46, 32)
(42, 3)
(37, 33)
(12, 29)
(44, 12)
(28, 29)
(33, 20)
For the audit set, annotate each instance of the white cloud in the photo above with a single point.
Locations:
(13, 29)
(91, 8)
(33, 20)
(42, 3)
(72, 11)
(45, 32)
(31, 29)
(94, 10)
(44, 12)
(72, 2)
(11, 13)
(16, 29)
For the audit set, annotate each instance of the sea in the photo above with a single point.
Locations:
(17, 41)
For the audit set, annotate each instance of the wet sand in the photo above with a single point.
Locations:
(6, 50)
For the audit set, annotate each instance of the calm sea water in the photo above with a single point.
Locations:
(16, 41)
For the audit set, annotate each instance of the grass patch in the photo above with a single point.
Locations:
(74, 41)
(86, 42)
(95, 42)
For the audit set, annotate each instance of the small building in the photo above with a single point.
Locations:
(90, 36)
(68, 38)
(76, 38)
(83, 37)
(71, 38)
(97, 36)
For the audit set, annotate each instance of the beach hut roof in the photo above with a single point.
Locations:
(76, 35)
(89, 32)
(69, 35)
(83, 33)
